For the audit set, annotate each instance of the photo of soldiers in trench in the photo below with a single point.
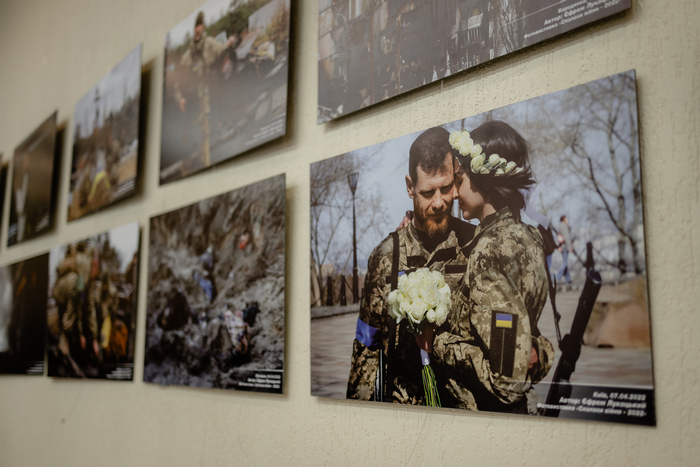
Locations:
(23, 287)
(92, 306)
(225, 84)
(578, 264)
(216, 285)
(105, 148)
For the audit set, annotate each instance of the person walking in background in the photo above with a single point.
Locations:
(565, 248)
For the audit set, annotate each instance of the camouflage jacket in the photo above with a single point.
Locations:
(402, 364)
(198, 58)
(486, 354)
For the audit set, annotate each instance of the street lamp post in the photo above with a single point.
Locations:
(352, 181)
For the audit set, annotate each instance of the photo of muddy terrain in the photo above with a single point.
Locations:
(216, 285)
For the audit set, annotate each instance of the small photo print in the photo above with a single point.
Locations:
(225, 84)
(31, 201)
(93, 289)
(216, 288)
(23, 287)
(106, 140)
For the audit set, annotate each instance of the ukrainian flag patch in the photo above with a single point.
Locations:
(504, 320)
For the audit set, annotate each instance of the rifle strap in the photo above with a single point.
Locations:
(391, 326)
(552, 300)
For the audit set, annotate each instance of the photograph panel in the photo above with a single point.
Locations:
(106, 139)
(93, 294)
(370, 51)
(532, 214)
(226, 79)
(216, 292)
(23, 299)
(32, 184)
(3, 185)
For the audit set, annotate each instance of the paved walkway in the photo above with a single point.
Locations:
(332, 338)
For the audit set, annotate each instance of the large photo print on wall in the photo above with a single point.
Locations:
(106, 139)
(494, 263)
(33, 190)
(225, 92)
(372, 50)
(216, 310)
(23, 287)
(93, 290)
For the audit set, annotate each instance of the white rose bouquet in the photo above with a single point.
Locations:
(422, 296)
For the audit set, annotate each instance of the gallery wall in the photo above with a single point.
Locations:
(52, 53)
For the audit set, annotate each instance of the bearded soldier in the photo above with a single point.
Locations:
(201, 53)
(386, 361)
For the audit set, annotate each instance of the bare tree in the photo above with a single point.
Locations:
(508, 20)
(331, 213)
(593, 137)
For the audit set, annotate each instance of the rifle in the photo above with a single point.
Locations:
(383, 385)
(570, 345)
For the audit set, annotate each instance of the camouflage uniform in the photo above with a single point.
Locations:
(487, 351)
(402, 363)
(198, 58)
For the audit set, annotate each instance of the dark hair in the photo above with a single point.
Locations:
(496, 137)
(200, 19)
(562, 218)
(428, 151)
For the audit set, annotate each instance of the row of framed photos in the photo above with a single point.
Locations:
(226, 83)
(215, 312)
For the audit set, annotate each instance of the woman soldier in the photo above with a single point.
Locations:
(494, 352)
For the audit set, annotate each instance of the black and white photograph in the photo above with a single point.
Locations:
(372, 50)
(32, 190)
(216, 292)
(225, 91)
(106, 139)
(23, 288)
(494, 263)
(93, 292)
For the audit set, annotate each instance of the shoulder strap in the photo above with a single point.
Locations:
(395, 261)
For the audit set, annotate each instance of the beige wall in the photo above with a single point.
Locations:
(52, 52)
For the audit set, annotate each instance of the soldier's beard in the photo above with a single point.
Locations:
(435, 223)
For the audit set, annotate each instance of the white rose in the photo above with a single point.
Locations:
(417, 312)
(431, 296)
(453, 137)
(413, 291)
(393, 297)
(477, 163)
(509, 166)
(440, 282)
(440, 315)
(436, 278)
(431, 316)
(395, 312)
(484, 170)
(402, 282)
(462, 142)
(493, 160)
(476, 150)
(445, 294)
(404, 306)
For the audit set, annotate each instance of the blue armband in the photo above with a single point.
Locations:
(366, 334)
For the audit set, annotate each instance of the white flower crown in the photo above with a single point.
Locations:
(463, 143)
